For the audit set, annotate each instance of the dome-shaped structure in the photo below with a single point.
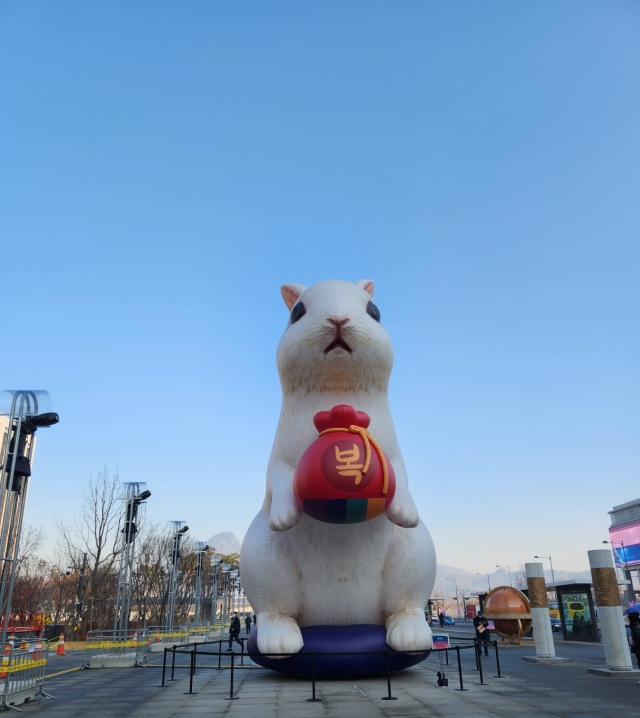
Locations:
(510, 611)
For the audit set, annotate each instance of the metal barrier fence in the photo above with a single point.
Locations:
(196, 650)
(116, 649)
(163, 636)
(24, 663)
(166, 636)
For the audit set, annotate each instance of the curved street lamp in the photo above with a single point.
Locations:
(553, 580)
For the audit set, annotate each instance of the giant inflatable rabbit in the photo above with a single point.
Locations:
(297, 571)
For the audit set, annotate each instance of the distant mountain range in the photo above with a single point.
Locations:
(224, 543)
(467, 581)
(446, 576)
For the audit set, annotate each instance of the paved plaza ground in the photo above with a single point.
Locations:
(527, 691)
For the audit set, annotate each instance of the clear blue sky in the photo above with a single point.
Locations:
(166, 166)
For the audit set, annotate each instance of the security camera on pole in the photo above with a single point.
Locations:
(22, 413)
(179, 530)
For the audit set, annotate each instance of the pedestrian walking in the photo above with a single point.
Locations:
(234, 631)
(634, 624)
(482, 632)
(247, 623)
(254, 619)
(441, 617)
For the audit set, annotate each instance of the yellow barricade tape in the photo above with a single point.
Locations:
(25, 665)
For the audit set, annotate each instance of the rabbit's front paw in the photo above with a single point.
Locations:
(403, 511)
(278, 634)
(408, 631)
(284, 513)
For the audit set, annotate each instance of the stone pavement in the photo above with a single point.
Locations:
(528, 691)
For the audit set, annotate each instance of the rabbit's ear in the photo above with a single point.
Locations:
(366, 284)
(290, 293)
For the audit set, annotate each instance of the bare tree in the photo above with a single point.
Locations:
(96, 532)
(520, 577)
(31, 588)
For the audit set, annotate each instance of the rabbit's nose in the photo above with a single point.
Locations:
(337, 322)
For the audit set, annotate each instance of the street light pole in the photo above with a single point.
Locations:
(488, 582)
(553, 580)
(509, 569)
(179, 529)
(215, 562)
(200, 549)
(457, 602)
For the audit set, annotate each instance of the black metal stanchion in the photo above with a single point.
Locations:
(462, 688)
(447, 655)
(242, 652)
(231, 697)
(173, 662)
(495, 645)
(479, 659)
(389, 697)
(475, 645)
(313, 698)
(164, 668)
(219, 655)
(192, 670)
(195, 657)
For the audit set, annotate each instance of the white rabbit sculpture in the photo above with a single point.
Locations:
(297, 571)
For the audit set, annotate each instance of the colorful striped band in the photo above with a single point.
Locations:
(343, 511)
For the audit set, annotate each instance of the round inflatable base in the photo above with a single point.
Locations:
(339, 639)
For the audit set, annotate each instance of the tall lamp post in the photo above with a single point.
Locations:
(22, 413)
(553, 580)
(200, 549)
(226, 568)
(135, 493)
(179, 530)
(488, 582)
(80, 593)
(233, 575)
(215, 563)
(457, 602)
(508, 569)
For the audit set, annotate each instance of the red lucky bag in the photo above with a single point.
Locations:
(344, 477)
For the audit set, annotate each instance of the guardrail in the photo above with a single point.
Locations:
(24, 663)
(161, 637)
(116, 649)
(196, 650)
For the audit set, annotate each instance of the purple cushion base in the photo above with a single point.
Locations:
(325, 639)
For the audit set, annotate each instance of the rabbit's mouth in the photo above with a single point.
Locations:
(338, 342)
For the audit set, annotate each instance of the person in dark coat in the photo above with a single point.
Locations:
(247, 623)
(634, 625)
(441, 617)
(482, 632)
(254, 619)
(234, 631)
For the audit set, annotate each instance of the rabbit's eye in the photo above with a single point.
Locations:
(372, 311)
(298, 312)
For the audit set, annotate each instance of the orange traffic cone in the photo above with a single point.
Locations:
(60, 651)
